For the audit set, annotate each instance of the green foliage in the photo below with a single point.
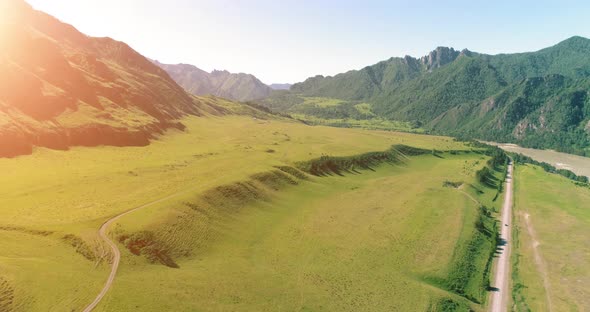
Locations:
(483, 175)
(80, 246)
(517, 290)
(449, 305)
(327, 165)
(452, 184)
(522, 159)
(538, 99)
(469, 276)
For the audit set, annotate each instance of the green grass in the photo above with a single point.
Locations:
(321, 101)
(369, 124)
(338, 113)
(44, 273)
(73, 192)
(367, 241)
(559, 215)
(364, 108)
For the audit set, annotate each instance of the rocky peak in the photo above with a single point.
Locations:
(439, 57)
(465, 52)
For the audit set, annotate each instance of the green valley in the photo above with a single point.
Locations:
(536, 99)
(128, 184)
(214, 217)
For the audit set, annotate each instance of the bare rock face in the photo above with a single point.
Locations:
(59, 87)
(439, 57)
(521, 128)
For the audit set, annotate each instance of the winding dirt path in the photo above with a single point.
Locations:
(102, 232)
(501, 296)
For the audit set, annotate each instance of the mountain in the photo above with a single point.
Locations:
(60, 88)
(538, 99)
(239, 87)
(280, 86)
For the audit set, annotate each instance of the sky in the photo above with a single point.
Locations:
(288, 41)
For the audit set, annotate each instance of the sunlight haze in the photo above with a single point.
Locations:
(288, 41)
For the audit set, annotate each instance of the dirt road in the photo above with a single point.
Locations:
(102, 232)
(501, 296)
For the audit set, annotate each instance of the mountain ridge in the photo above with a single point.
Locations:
(439, 90)
(221, 83)
(61, 88)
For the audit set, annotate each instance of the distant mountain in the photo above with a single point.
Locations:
(539, 99)
(60, 88)
(280, 86)
(239, 87)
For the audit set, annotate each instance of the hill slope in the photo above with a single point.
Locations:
(239, 87)
(61, 88)
(538, 99)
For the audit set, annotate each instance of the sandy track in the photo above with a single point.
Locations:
(501, 296)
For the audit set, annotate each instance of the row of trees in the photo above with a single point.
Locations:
(522, 159)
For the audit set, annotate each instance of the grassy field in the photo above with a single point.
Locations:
(52, 202)
(368, 124)
(338, 113)
(321, 101)
(552, 260)
(377, 241)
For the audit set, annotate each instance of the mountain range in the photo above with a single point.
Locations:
(537, 99)
(221, 83)
(61, 88)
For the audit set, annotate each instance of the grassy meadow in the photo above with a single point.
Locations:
(552, 259)
(376, 241)
(287, 240)
(326, 111)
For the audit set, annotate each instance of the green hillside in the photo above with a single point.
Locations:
(537, 99)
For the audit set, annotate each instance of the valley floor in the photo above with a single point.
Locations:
(391, 235)
(367, 241)
(552, 256)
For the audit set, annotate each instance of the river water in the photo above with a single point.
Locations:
(578, 164)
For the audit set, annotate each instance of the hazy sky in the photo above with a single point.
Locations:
(288, 41)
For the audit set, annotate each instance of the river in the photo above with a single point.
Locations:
(578, 164)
